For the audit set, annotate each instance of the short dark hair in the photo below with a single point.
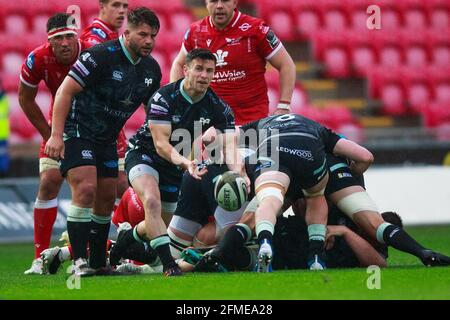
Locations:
(141, 15)
(200, 53)
(59, 20)
(393, 218)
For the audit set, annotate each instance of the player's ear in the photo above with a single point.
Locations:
(185, 69)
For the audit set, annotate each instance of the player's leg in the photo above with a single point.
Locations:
(357, 204)
(107, 169)
(270, 187)
(45, 208)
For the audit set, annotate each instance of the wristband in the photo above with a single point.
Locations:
(284, 105)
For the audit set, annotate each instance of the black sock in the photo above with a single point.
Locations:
(400, 240)
(141, 252)
(242, 259)
(235, 238)
(79, 237)
(98, 237)
(161, 246)
(264, 235)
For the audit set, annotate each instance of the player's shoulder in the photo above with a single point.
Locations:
(151, 62)
(252, 24)
(38, 56)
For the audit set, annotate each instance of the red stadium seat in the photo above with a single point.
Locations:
(393, 99)
(307, 22)
(12, 62)
(440, 19)
(415, 19)
(335, 20)
(336, 62)
(388, 47)
(362, 51)
(39, 25)
(441, 56)
(436, 113)
(281, 23)
(16, 25)
(180, 22)
(10, 82)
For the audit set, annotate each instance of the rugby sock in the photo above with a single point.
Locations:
(316, 234)
(161, 246)
(396, 237)
(264, 231)
(78, 227)
(45, 212)
(235, 238)
(98, 236)
(66, 253)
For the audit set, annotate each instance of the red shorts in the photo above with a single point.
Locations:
(130, 209)
(121, 144)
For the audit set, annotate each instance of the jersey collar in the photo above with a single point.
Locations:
(236, 16)
(127, 53)
(186, 96)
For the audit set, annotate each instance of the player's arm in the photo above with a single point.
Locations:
(363, 250)
(27, 101)
(161, 137)
(176, 71)
(360, 156)
(68, 89)
(283, 62)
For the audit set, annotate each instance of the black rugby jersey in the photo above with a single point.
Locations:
(171, 105)
(113, 88)
(292, 124)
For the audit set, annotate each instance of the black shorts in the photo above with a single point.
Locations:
(303, 159)
(80, 152)
(340, 176)
(196, 201)
(169, 175)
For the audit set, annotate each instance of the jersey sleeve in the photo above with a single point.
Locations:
(188, 44)
(94, 36)
(329, 138)
(268, 43)
(158, 110)
(87, 70)
(30, 73)
(223, 117)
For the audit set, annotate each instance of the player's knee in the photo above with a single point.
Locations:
(152, 205)
(85, 193)
(49, 186)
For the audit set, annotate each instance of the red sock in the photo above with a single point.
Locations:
(44, 218)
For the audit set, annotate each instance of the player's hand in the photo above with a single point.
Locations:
(197, 171)
(54, 148)
(332, 232)
(247, 182)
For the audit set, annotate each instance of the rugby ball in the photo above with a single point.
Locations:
(230, 191)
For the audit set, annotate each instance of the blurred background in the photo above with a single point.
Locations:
(386, 88)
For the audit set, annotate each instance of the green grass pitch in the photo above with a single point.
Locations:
(405, 278)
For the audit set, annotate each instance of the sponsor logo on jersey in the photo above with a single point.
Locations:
(344, 175)
(305, 154)
(155, 107)
(156, 96)
(148, 81)
(111, 164)
(186, 35)
(117, 75)
(87, 57)
(230, 75)
(220, 57)
(233, 41)
(87, 154)
(264, 29)
(245, 26)
(99, 32)
(208, 42)
(30, 61)
(176, 119)
(204, 121)
(146, 158)
(272, 39)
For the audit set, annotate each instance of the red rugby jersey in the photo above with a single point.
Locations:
(98, 32)
(41, 64)
(241, 49)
